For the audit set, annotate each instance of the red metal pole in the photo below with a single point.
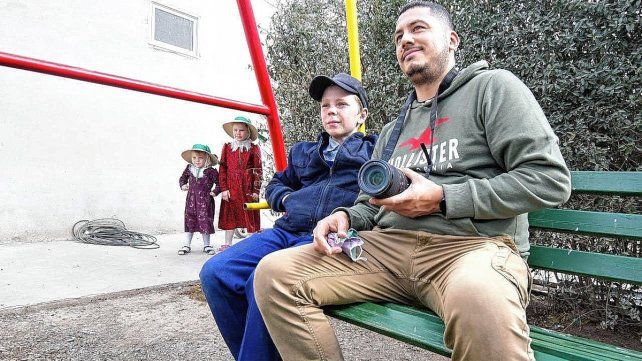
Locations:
(263, 79)
(41, 66)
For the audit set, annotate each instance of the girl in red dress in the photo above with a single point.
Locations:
(240, 175)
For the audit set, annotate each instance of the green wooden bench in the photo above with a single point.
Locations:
(424, 329)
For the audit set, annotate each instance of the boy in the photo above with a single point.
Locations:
(320, 177)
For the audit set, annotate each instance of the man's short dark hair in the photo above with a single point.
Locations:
(436, 9)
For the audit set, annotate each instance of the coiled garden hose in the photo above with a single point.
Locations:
(111, 232)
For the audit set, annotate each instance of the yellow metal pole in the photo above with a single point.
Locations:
(355, 70)
(353, 44)
(256, 206)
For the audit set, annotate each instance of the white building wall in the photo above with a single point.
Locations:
(71, 150)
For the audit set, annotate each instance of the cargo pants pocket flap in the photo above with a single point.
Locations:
(514, 269)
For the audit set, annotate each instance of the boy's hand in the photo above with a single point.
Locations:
(225, 196)
(185, 187)
(283, 201)
(337, 222)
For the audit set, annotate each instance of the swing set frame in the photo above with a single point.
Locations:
(268, 108)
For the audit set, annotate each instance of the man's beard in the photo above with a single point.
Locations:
(429, 72)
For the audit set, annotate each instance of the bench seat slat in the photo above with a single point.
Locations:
(577, 345)
(615, 183)
(424, 329)
(417, 329)
(606, 266)
(569, 344)
(619, 225)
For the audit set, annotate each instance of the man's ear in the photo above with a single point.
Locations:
(453, 43)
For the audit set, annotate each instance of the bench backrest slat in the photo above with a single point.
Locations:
(604, 224)
(616, 183)
(611, 267)
(619, 225)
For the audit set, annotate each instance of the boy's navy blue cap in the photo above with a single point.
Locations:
(343, 81)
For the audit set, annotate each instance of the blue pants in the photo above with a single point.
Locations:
(227, 281)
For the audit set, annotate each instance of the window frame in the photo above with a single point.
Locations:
(169, 47)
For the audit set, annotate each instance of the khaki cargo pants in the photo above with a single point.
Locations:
(478, 286)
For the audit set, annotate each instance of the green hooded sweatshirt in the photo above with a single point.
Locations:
(493, 152)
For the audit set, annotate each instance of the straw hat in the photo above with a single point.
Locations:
(240, 119)
(187, 155)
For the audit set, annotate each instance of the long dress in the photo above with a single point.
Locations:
(240, 172)
(199, 204)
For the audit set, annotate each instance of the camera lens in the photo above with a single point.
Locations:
(381, 180)
(376, 177)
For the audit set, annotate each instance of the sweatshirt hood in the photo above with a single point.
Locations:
(464, 76)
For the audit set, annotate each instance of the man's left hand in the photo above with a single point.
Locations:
(421, 198)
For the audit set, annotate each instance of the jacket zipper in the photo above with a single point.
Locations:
(325, 188)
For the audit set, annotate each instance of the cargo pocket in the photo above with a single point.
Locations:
(515, 270)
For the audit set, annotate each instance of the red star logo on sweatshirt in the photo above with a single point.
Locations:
(425, 137)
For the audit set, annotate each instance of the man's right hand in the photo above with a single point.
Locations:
(225, 196)
(337, 222)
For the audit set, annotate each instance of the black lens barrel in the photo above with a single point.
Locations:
(381, 180)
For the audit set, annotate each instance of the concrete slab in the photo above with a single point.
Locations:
(32, 273)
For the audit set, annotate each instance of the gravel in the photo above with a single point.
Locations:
(158, 323)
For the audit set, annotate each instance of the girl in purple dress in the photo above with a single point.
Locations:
(200, 181)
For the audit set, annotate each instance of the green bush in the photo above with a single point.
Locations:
(581, 59)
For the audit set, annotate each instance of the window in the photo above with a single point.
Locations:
(173, 30)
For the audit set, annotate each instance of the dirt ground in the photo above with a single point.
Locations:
(172, 322)
(159, 323)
